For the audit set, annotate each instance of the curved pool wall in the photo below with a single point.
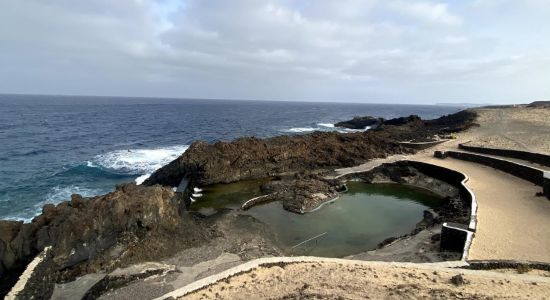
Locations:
(358, 221)
(458, 235)
(455, 237)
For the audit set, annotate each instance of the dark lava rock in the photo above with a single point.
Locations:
(360, 122)
(254, 158)
(539, 104)
(458, 280)
(131, 224)
(412, 119)
(456, 122)
(302, 194)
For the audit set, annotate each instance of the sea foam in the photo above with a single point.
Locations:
(138, 161)
(54, 196)
(301, 129)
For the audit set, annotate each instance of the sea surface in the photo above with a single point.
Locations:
(54, 146)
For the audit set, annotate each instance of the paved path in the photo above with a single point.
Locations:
(513, 223)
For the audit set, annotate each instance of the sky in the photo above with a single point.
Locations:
(377, 51)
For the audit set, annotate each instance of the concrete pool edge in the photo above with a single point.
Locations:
(457, 234)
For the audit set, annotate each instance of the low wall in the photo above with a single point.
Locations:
(506, 264)
(539, 158)
(454, 237)
(421, 145)
(255, 201)
(546, 184)
(456, 179)
(528, 173)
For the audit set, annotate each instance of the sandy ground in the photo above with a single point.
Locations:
(370, 280)
(514, 128)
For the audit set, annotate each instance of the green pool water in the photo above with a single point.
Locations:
(356, 222)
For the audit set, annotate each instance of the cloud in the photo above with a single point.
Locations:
(352, 50)
(427, 11)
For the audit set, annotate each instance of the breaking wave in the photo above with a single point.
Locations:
(137, 161)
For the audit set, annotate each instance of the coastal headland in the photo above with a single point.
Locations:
(105, 246)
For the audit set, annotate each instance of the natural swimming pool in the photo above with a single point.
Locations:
(358, 221)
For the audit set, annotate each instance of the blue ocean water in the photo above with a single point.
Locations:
(54, 146)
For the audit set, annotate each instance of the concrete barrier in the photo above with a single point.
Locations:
(454, 178)
(539, 158)
(421, 145)
(528, 173)
(456, 238)
(546, 184)
(255, 201)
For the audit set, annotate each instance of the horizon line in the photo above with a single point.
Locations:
(442, 103)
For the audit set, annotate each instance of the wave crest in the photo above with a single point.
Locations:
(137, 161)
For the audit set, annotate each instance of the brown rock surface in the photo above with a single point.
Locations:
(253, 158)
(131, 224)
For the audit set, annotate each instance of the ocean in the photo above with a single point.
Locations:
(54, 146)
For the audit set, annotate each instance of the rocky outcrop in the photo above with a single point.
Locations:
(539, 104)
(360, 122)
(302, 194)
(410, 120)
(253, 158)
(131, 224)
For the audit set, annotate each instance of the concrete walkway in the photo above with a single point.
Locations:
(513, 223)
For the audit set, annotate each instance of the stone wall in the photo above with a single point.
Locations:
(455, 179)
(522, 171)
(538, 158)
(546, 184)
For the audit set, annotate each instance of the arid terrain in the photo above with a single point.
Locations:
(123, 245)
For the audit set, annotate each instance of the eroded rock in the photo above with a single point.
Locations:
(131, 224)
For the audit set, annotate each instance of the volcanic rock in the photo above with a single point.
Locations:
(253, 158)
(131, 224)
(360, 122)
(302, 194)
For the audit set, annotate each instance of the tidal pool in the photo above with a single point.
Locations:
(356, 222)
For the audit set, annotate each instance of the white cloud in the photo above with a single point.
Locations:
(282, 49)
(428, 11)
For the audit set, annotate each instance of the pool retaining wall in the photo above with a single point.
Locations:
(539, 158)
(522, 171)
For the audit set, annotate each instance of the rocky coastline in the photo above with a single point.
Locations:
(146, 223)
(254, 158)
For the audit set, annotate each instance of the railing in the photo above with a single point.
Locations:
(315, 238)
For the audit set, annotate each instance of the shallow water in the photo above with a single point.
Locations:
(358, 221)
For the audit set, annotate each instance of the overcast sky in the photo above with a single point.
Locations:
(485, 51)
